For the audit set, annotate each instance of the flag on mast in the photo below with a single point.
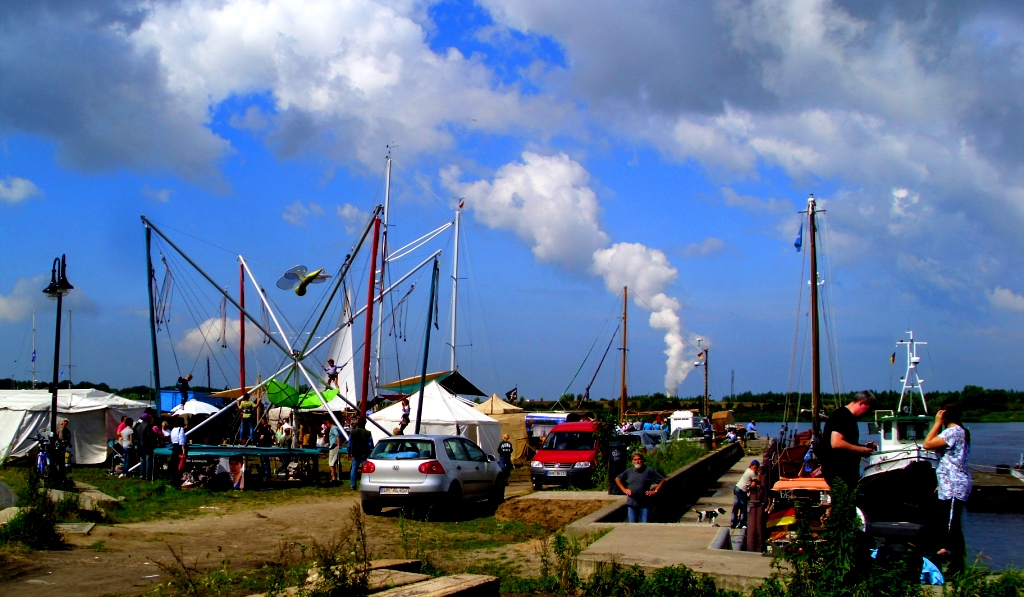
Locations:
(33, 356)
(512, 394)
(799, 238)
(892, 359)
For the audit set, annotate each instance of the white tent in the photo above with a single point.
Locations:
(443, 413)
(93, 417)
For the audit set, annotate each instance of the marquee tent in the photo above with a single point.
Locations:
(93, 417)
(443, 413)
(513, 422)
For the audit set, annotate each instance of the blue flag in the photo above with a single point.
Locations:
(799, 238)
(33, 356)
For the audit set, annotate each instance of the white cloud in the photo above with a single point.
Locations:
(298, 213)
(1006, 299)
(207, 336)
(158, 195)
(14, 189)
(353, 217)
(708, 246)
(548, 202)
(26, 295)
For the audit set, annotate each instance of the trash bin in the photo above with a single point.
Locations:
(616, 464)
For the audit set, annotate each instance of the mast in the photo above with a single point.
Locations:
(369, 316)
(625, 313)
(426, 344)
(911, 380)
(150, 278)
(455, 282)
(33, 350)
(815, 348)
(707, 397)
(69, 348)
(208, 373)
(383, 266)
(241, 328)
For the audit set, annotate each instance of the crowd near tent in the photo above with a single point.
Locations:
(444, 413)
(93, 417)
(513, 422)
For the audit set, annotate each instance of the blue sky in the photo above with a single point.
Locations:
(597, 144)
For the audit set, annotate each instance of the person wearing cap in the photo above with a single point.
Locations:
(741, 495)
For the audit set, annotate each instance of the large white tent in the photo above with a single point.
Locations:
(93, 417)
(444, 413)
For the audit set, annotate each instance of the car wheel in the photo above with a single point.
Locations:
(497, 495)
(371, 508)
(453, 500)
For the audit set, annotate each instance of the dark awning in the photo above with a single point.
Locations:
(453, 381)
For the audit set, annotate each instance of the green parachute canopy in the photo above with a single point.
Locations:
(280, 394)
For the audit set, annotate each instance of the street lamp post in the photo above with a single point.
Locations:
(59, 286)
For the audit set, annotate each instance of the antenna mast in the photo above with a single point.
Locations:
(815, 348)
(625, 313)
(911, 381)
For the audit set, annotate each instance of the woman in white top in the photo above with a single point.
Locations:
(952, 441)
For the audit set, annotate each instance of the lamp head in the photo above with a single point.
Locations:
(59, 285)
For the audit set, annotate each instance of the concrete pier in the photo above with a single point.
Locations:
(703, 547)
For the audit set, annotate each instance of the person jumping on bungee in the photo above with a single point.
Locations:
(332, 373)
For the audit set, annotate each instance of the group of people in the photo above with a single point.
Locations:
(138, 439)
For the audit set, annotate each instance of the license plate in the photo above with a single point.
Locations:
(394, 491)
(556, 473)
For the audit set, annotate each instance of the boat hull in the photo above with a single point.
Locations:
(904, 492)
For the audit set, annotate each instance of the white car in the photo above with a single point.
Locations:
(413, 471)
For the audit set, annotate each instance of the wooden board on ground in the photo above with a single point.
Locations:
(458, 585)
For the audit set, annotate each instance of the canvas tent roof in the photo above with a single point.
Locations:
(93, 417)
(443, 413)
(453, 381)
(497, 406)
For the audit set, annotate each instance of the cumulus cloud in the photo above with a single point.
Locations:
(708, 246)
(1006, 299)
(158, 195)
(299, 213)
(207, 336)
(27, 296)
(14, 189)
(353, 217)
(548, 203)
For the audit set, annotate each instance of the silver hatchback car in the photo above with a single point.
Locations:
(415, 471)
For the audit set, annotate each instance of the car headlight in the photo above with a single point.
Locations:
(581, 465)
(537, 464)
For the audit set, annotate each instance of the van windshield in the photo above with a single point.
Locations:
(569, 440)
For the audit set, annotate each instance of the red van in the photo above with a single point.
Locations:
(568, 456)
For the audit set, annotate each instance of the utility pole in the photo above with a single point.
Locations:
(625, 313)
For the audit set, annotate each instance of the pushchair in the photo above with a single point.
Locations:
(116, 457)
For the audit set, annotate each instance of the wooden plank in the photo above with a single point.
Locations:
(459, 585)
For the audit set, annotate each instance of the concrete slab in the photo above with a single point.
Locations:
(653, 546)
(75, 528)
(8, 513)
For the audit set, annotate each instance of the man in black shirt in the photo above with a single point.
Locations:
(359, 446)
(640, 483)
(840, 451)
(183, 387)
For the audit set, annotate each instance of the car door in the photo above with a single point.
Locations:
(481, 471)
(464, 467)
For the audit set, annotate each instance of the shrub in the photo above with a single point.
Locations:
(35, 525)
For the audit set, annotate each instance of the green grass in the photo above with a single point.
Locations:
(145, 500)
(674, 456)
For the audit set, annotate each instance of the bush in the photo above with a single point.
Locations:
(673, 581)
(35, 525)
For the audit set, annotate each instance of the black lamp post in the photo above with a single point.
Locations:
(59, 286)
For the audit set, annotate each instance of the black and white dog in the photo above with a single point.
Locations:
(709, 515)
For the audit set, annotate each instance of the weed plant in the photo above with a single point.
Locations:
(35, 525)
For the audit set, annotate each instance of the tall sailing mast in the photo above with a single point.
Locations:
(625, 312)
(33, 350)
(455, 283)
(69, 348)
(383, 268)
(815, 348)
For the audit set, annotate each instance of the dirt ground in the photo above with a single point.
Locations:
(550, 514)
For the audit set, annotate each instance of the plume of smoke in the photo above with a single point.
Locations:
(547, 202)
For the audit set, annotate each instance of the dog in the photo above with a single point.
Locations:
(709, 515)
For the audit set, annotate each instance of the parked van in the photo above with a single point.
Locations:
(568, 456)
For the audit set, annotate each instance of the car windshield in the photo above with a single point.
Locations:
(403, 449)
(569, 440)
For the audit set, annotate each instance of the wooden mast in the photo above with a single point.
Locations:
(625, 313)
(369, 316)
(815, 352)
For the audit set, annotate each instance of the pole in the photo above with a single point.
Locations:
(241, 327)
(69, 348)
(455, 285)
(208, 382)
(369, 316)
(150, 278)
(625, 312)
(56, 372)
(426, 344)
(707, 400)
(383, 267)
(815, 356)
(33, 349)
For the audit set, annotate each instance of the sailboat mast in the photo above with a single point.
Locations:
(625, 313)
(69, 348)
(707, 397)
(150, 277)
(369, 316)
(455, 283)
(815, 348)
(33, 350)
(383, 266)
(241, 327)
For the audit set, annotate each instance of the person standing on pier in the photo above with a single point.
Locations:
(636, 483)
(741, 495)
(952, 441)
(839, 450)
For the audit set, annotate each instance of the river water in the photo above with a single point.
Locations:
(996, 539)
